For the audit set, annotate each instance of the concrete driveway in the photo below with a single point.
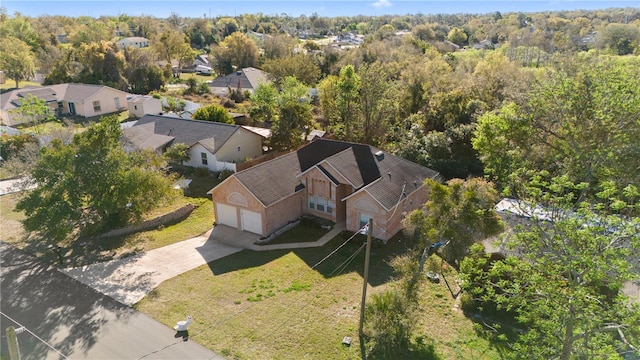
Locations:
(67, 319)
(130, 279)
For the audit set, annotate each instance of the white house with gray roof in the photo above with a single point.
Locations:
(213, 145)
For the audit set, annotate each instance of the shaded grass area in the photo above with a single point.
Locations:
(280, 305)
(307, 230)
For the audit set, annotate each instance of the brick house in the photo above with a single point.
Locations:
(334, 180)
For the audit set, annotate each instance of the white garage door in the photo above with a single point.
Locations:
(251, 221)
(227, 215)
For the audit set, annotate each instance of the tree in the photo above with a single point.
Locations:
(622, 39)
(279, 46)
(565, 285)
(348, 88)
(34, 110)
(264, 102)
(458, 213)
(178, 153)
(171, 45)
(457, 36)
(301, 66)
(293, 118)
(236, 51)
(91, 185)
(16, 59)
(580, 121)
(214, 113)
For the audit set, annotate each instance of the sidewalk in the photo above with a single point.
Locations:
(129, 280)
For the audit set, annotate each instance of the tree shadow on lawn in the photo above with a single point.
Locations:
(59, 309)
(380, 272)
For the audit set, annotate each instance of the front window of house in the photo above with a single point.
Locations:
(96, 106)
(321, 204)
(204, 158)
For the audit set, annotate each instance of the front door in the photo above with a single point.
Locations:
(72, 108)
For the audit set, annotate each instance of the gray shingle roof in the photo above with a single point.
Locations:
(248, 78)
(211, 135)
(274, 180)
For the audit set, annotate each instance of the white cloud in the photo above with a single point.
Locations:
(381, 4)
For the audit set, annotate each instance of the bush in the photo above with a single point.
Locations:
(202, 171)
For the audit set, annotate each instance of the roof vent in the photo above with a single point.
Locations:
(389, 175)
(379, 155)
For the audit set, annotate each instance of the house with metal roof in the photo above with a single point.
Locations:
(213, 145)
(63, 99)
(246, 79)
(334, 180)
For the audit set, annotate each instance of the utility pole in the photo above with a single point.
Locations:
(366, 273)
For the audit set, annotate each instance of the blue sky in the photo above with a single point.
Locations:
(330, 8)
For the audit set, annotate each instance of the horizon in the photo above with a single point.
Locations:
(331, 8)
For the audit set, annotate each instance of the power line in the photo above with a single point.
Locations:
(34, 335)
(254, 304)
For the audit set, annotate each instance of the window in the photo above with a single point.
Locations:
(321, 204)
(364, 219)
(116, 101)
(96, 106)
(204, 158)
(312, 202)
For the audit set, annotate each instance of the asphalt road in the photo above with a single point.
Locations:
(77, 321)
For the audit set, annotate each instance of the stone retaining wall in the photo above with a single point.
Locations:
(170, 218)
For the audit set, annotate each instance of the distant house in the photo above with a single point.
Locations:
(135, 41)
(64, 99)
(213, 145)
(246, 79)
(141, 105)
(485, 45)
(334, 180)
(202, 60)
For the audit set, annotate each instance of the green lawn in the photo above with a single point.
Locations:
(273, 305)
(10, 84)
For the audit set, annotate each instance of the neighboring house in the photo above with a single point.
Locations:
(135, 41)
(485, 45)
(213, 145)
(246, 79)
(141, 105)
(334, 180)
(202, 60)
(64, 99)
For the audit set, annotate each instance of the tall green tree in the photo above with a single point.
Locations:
(458, 213)
(565, 285)
(294, 116)
(348, 89)
(236, 51)
(16, 59)
(91, 185)
(581, 120)
(264, 102)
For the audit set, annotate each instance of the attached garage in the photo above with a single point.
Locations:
(251, 221)
(227, 215)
